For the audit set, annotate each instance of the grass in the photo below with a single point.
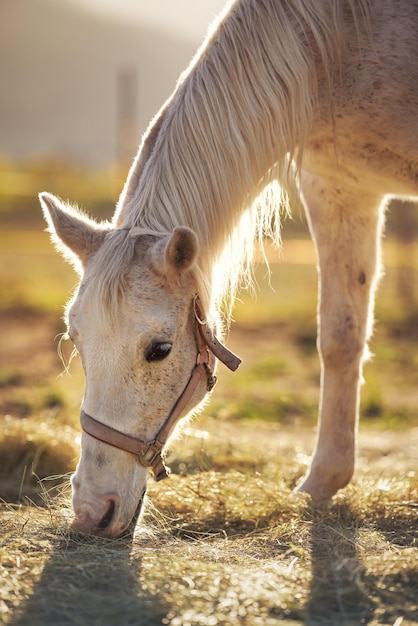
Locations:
(225, 540)
(34, 449)
(32, 276)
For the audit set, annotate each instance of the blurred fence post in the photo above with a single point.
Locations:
(127, 112)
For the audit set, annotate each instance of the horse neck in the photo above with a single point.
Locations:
(244, 105)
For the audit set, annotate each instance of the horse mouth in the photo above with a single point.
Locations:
(107, 517)
(128, 532)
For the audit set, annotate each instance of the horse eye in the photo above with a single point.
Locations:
(158, 351)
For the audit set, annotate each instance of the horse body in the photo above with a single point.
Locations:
(349, 170)
(332, 86)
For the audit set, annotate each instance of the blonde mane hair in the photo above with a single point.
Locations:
(219, 156)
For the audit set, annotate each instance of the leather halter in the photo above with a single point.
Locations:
(149, 452)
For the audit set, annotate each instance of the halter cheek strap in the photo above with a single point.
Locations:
(150, 453)
(228, 358)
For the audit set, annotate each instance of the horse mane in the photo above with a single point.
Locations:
(260, 62)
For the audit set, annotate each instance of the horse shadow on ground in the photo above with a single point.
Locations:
(91, 582)
(343, 591)
(86, 582)
(337, 593)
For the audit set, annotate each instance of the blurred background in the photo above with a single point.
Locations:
(80, 81)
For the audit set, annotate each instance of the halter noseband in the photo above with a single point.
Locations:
(149, 452)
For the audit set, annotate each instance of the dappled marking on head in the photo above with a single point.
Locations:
(138, 264)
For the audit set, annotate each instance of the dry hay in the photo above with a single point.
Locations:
(33, 450)
(227, 545)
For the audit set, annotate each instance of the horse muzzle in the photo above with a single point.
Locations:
(102, 517)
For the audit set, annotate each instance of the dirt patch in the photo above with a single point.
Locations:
(28, 358)
(29, 342)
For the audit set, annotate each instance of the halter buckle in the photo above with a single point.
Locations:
(150, 454)
(151, 457)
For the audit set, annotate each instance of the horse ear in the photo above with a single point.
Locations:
(176, 254)
(74, 235)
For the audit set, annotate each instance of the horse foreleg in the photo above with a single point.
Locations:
(346, 227)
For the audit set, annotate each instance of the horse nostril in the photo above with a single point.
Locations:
(107, 517)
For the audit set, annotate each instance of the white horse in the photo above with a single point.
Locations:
(320, 96)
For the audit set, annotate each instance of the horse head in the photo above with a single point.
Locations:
(135, 324)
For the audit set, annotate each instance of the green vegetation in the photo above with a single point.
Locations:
(21, 183)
